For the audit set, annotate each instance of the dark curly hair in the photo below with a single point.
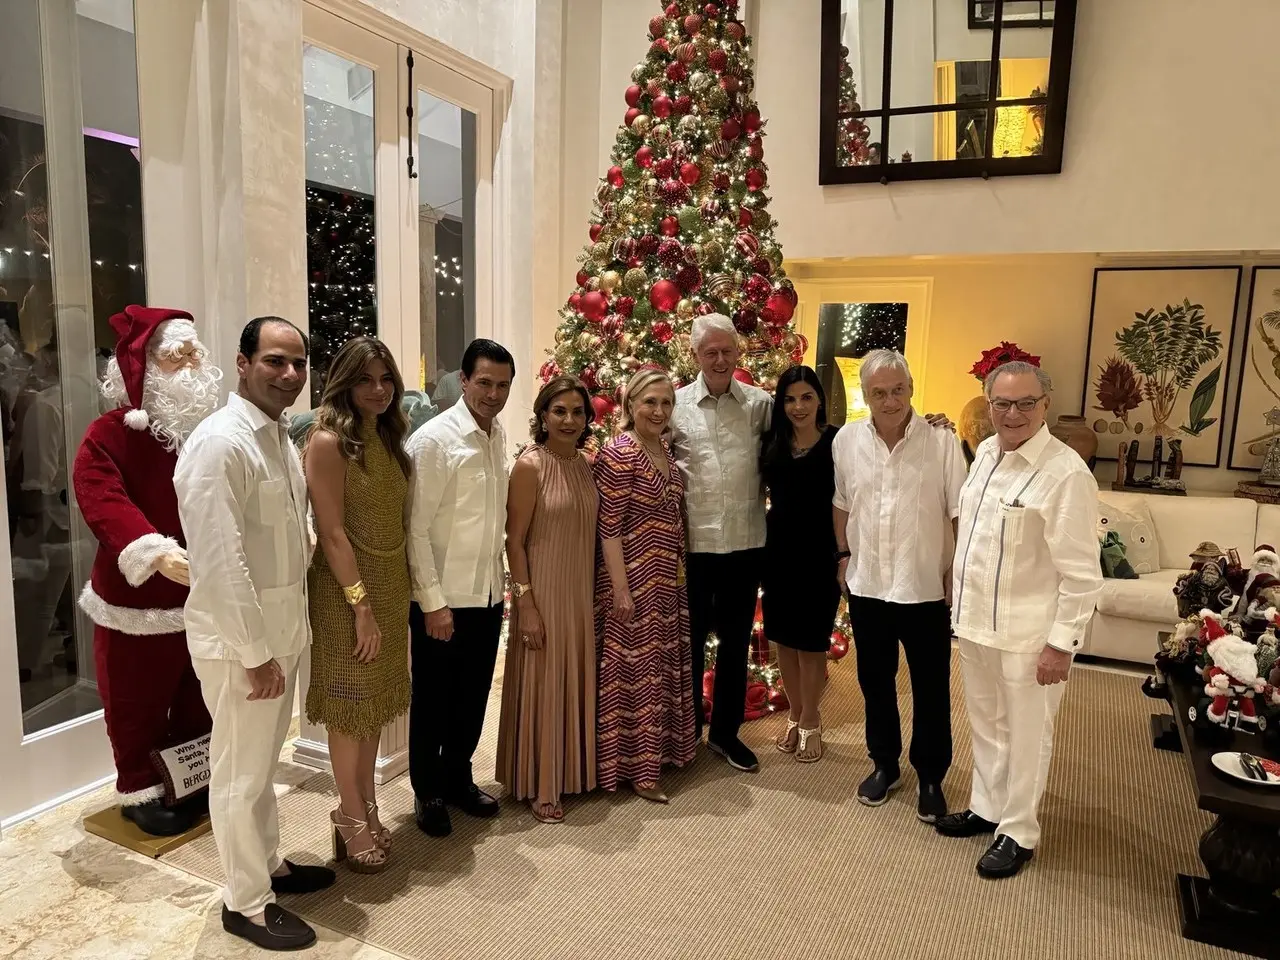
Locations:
(552, 389)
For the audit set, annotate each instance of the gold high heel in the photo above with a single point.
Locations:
(381, 836)
(346, 829)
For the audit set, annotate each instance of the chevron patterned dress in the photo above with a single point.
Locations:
(645, 698)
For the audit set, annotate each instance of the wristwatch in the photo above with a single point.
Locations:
(518, 590)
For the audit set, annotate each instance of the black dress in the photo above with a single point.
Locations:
(801, 594)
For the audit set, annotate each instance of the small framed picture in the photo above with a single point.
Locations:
(1233, 557)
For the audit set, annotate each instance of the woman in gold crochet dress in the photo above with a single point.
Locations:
(357, 474)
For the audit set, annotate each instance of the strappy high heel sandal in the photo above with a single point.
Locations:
(804, 744)
(346, 829)
(381, 836)
(784, 743)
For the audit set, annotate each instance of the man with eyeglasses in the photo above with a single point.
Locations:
(897, 495)
(1026, 579)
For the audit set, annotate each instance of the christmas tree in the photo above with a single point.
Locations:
(681, 224)
(853, 148)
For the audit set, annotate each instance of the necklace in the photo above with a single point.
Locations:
(557, 456)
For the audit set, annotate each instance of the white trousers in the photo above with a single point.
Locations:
(1012, 720)
(243, 752)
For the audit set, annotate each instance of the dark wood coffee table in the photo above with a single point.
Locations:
(1235, 908)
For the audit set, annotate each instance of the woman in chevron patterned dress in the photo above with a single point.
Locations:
(645, 696)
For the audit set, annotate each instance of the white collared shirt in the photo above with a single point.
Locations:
(242, 498)
(1027, 570)
(716, 442)
(900, 503)
(457, 509)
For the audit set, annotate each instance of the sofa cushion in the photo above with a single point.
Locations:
(1182, 523)
(1150, 597)
(1132, 523)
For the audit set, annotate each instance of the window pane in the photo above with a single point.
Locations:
(846, 333)
(56, 672)
(916, 38)
(446, 243)
(859, 141)
(1019, 131)
(862, 50)
(341, 260)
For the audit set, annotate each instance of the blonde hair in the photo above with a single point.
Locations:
(641, 381)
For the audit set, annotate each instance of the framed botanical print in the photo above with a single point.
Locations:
(1257, 417)
(1158, 349)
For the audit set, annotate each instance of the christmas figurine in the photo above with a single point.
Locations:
(1260, 592)
(1230, 673)
(161, 386)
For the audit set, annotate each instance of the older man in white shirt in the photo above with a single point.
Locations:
(242, 498)
(457, 518)
(716, 430)
(897, 495)
(1026, 579)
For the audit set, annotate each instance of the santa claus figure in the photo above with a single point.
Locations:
(1232, 673)
(160, 386)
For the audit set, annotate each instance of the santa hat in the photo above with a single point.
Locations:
(1266, 552)
(1211, 626)
(135, 328)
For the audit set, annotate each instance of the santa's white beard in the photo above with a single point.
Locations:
(176, 402)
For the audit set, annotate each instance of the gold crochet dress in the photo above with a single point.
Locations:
(353, 698)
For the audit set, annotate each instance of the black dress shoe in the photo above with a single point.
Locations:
(932, 805)
(876, 788)
(964, 824)
(282, 930)
(432, 817)
(303, 878)
(474, 801)
(736, 752)
(1004, 858)
(154, 818)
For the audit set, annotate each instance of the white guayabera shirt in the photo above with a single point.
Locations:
(457, 509)
(242, 498)
(1027, 570)
(716, 442)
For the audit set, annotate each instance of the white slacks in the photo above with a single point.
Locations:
(243, 752)
(1012, 720)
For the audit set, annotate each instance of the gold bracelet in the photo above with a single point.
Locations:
(355, 594)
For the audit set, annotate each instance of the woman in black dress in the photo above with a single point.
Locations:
(801, 594)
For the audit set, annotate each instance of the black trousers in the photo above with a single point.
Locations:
(451, 681)
(723, 589)
(924, 630)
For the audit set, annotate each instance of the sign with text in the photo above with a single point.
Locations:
(185, 768)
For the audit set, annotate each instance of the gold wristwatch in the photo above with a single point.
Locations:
(356, 593)
(518, 590)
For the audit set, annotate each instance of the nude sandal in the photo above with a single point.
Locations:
(783, 743)
(804, 743)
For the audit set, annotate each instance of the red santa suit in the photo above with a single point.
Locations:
(123, 477)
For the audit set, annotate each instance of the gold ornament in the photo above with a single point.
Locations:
(661, 135)
(641, 124)
(593, 283)
(761, 220)
(561, 334)
(604, 192)
(601, 251)
(689, 125)
(609, 280)
(627, 204)
(587, 341)
(699, 254)
(626, 343)
(720, 286)
(701, 81)
(717, 99)
(629, 363)
(684, 309)
(651, 188)
(714, 251)
(635, 280)
(773, 254)
(644, 210)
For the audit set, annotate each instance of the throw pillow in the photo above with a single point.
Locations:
(1136, 531)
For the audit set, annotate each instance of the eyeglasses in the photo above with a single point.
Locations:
(1025, 405)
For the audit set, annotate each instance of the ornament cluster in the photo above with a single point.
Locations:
(680, 225)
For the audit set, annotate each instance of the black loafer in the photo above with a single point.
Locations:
(303, 878)
(738, 754)
(964, 824)
(432, 817)
(1004, 858)
(932, 805)
(876, 788)
(474, 801)
(157, 820)
(282, 930)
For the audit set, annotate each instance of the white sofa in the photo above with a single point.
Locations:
(1131, 613)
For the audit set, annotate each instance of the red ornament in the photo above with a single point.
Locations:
(612, 326)
(674, 193)
(686, 52)
(588, 377)
(711, 11)
(664, 295)
(748, 243)
(761, 266)
(778, 310)
(839, 647)
(624, 305)
(631, 115)
(751, 121)
(721, 182)
(594, 306)
(717, 60)
(672, 10)
(659, 47)
(692, 24)
(683, 104)
(548, 370)
(730, 85)
(648, 245)
(711, 209)
(744, 217)
(662, 107)
(603, 407)
(676, 71)
(633, 95)
(655, 87)
(744, 376)
(594, 232)
(583, 276)
(644, 157)
(690, 173)
(756, 179)
(662, 332)
(689, 279)
(757, 289)
(669, 226)
(745, 321)
(670, 253)
(730, 129)
(625, 249)
(657, 26)
(664, 169)
(575, 301)
(704, 308)
(616, 179)
(755, 148)
(773, 336)
(735, 31)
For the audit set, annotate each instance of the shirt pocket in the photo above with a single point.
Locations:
(272, 503)
(1013, 520)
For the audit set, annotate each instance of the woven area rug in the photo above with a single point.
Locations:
(783, 863)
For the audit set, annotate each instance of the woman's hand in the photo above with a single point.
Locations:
(368, 634)
(529, 623)
(624, 608)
